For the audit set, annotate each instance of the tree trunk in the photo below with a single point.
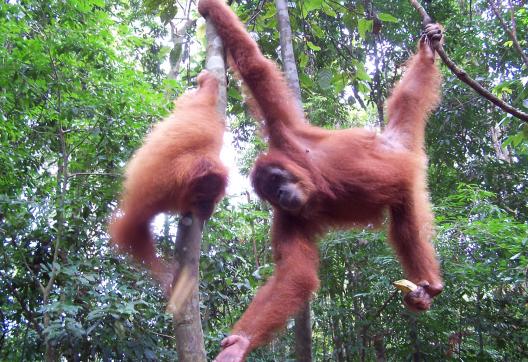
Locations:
(413, 335)
(303, 323)
(178, 36)
(215, 63)
(503, 154)
(377, 89)
(303, 334)
(288, 57)
(478, 327)
(379, 348)
(186, 320)
(50, 353)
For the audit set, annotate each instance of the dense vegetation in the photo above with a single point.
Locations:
(81, 81)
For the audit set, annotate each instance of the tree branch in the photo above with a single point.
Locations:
(303, 325)
(28, 314)
(463, 76)
(256, 13)
(184, 302)
(510, 31)
(109, 174)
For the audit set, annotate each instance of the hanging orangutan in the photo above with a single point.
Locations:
(177, 169)
(317, 179)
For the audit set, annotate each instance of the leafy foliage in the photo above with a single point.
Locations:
(82, 81)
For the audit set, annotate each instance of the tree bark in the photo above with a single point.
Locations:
(379, 348)
(413, 335)
(178, 36)
(186, 318)
(303, 334)
(478, 326)
(215, 63)
(502, 154)
(288, 57)
(303, 323)
(377, 89)
(50, 353)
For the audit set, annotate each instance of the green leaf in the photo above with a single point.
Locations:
(317, 31)
(234, 93)
(271, 11)
(350, 21)
(364, 26)
(328, 10)
(306, 81)
(387, 18)
(313, 46)
(303, 60)
(361, 73)
(311, 5)
(363, 88)
(340, 83)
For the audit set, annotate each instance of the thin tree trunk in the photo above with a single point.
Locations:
(303, 334)
(62, 187)
(303, 323)
(186, 320)
(178, 36)
(413, 335)
(287, 54)
(502, 154)
(379, 348)
(377, 90)
(339, 350)
(216, 64)
(479, 324)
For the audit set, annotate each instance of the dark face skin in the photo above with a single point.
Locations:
(279, 187)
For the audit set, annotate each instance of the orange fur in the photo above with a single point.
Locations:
(177, 169)
(347, 177)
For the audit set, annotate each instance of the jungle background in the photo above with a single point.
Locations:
(82, 81)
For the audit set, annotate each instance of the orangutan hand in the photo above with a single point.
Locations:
(421, 299)
(235, 349)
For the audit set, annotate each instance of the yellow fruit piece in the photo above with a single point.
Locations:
(406, 286)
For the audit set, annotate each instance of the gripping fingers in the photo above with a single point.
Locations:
(421, 298)
(235, 348)
(433, 32)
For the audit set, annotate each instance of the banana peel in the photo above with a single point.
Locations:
(406, 286)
